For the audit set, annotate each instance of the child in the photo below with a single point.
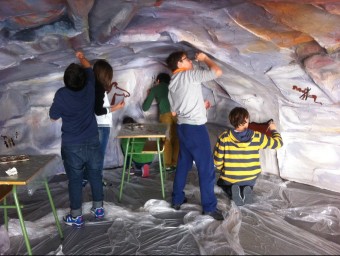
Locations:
(160, 93)
(141, 163)
(237, 157)
(80, 148)
(103, 75)
(187, 103)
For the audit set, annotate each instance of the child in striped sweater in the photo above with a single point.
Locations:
(237, 156)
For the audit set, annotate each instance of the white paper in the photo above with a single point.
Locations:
(12, 171)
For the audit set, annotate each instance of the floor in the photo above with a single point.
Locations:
(286, 218)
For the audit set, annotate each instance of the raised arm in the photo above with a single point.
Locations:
(148, 101)
(210, 63)
(273, 142)
(83, 61)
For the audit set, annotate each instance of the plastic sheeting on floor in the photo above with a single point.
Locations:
(286, 218)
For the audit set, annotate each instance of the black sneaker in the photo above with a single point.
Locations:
(247, 195)
(178, 206)
(236, 195)
(217, 214)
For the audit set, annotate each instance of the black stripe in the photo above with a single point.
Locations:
(218, 159)
(238, 152)
(251, 160)
(241, 177)
(239, 169)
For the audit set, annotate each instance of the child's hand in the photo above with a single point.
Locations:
(272, 126)
(83, 61)
(200, 56)
(118, 106)
(207, 104)
(80, 55)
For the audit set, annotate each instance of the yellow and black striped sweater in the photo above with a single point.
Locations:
(239, 162)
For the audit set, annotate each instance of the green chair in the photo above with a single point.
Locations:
(5, 190)
(150, 147)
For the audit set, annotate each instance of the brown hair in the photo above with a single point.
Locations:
(238, 116)
(103, 73)
(174, 58)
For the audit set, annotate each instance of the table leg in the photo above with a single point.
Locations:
(160, 167)
(53, 210)
(5, 213)
(21, 220)
(130, 159)
(124, 168)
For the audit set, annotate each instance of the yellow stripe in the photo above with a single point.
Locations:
(241, 156)
(233, 148)
(242, 173)
(239, 180)
(241, 165)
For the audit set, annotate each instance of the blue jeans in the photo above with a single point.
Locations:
(104, 134)
(78, 158)
(194, 145)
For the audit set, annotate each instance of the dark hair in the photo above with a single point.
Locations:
(74, 77)
(163, 78)
(238, 116)
(128, 120)
(103, 73)
(174, 58)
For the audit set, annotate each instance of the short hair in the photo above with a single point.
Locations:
(163, 78)
(74, 77)
(128, 120)
(237, 116)
(103, 73)
(173, 59)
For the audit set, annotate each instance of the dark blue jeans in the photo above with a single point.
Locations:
(104, 134)
(78, 158)
(195, 146)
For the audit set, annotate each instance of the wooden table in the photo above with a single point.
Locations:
(30, 172)
(155, 133)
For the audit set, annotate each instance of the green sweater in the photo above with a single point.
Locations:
(138, 147)
(160, 93)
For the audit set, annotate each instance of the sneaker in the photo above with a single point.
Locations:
(145, 170)
(84, 182)
(178, 206)
(132, 171)
(99, 213)
(75, 222)
(138, 173)
(107, 183)
(236, 195)
(247, 195)
(170, 169)
(217, 214)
